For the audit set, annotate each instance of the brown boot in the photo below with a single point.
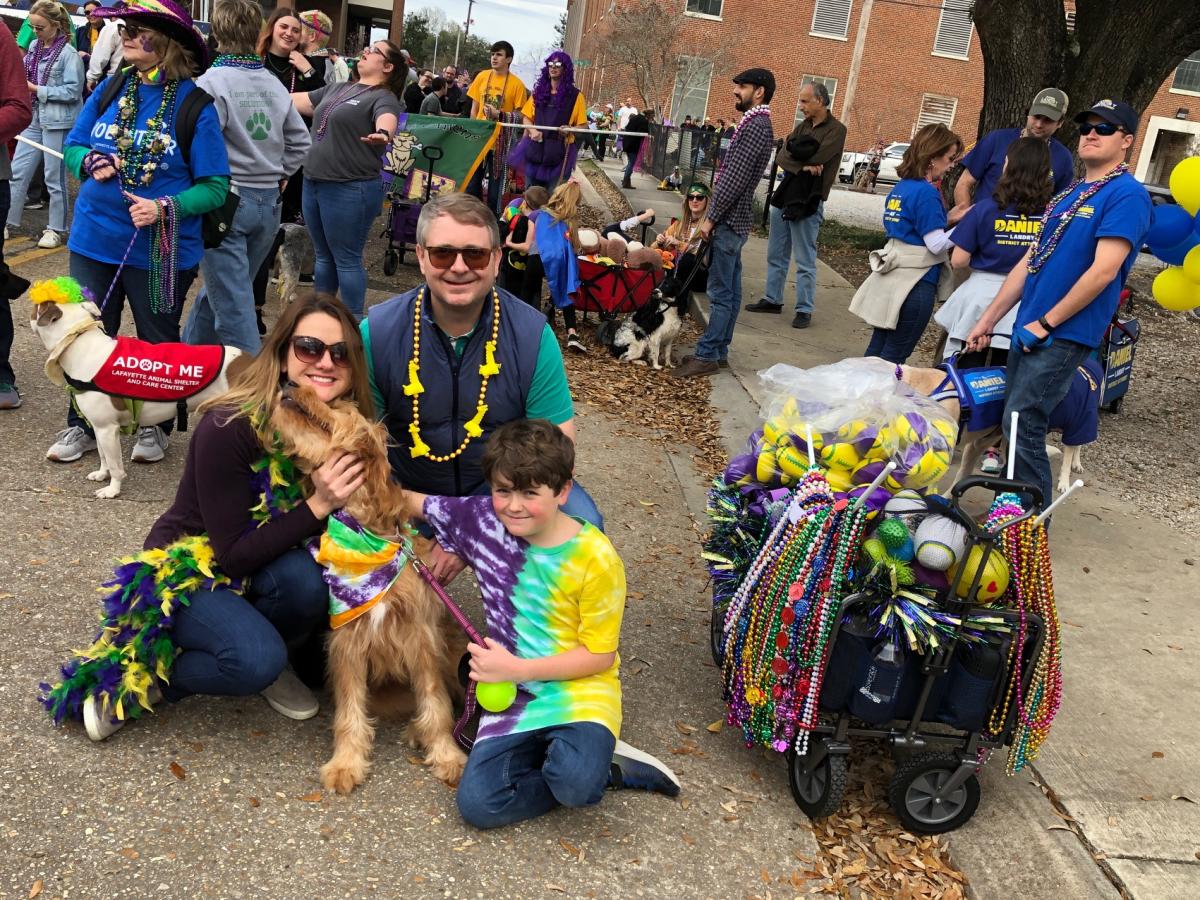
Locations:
(695, 368)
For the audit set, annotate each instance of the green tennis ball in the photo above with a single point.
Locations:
(840, 456)
(496, 696)
(893, 533)
(875, 550)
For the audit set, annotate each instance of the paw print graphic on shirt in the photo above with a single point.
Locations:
(259, 126)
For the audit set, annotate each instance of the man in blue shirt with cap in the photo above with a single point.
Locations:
(1069, 283)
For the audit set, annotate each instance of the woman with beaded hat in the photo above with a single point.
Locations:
(149, 152)
(266, 140)
(352, 124)
(55, 75)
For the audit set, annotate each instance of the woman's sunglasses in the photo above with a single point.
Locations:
(311, 350)
(696, 197)
(1104, 129)
(127, 30)
(444, 257)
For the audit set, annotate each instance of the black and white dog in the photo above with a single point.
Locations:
(649, 334)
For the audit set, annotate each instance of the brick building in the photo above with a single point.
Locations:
(890, 67)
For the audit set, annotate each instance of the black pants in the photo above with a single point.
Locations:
(531, 287)
(7, 376)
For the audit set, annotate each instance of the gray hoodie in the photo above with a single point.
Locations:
(264, 135)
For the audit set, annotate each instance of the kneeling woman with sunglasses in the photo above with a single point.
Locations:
(241, 497)
(353, 122)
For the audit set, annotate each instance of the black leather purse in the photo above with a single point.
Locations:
(216, 223)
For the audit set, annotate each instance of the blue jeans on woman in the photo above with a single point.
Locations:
(724, 294)
(235, 645)
(134, 286)
(1037, 382)
(520, 776)
(26, 160)
(224, 310)
(339, 215)
(897, 344)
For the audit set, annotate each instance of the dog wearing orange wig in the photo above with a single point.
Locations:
(406, 637)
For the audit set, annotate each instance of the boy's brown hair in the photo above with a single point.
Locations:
(529, 453)
(536, 197)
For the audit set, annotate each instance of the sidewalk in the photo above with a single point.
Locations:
(1121, 761)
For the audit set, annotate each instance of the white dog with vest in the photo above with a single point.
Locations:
(121, 383)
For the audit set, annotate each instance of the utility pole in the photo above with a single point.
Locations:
(466, 31)
(470, 6)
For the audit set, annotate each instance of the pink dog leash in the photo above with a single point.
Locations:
(469, 703)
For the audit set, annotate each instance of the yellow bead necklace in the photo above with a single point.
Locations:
(414, 388)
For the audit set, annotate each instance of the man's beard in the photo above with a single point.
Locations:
(742, 105)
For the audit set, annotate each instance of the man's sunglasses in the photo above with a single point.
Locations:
(1104, 129)
(444, 257)
(311, 350)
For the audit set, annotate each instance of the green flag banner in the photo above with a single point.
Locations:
(464, 144)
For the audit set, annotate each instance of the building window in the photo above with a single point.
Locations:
(690, 97)
(831, 18)
(1187, 76)
(830, 85)
(954, 29)
(705, 7)
(935, 108)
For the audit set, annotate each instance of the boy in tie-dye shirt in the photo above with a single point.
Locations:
(553, 592)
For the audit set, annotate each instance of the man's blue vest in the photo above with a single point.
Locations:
(451, 386)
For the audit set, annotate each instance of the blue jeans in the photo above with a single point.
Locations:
(237, 645)
(520, 776)
(724, 294)
(134, 286)
(224, 310)
(799, 237)
(1037, 382)
(897, 344)
(339, 215)
(630, 161)
(26, 160)
(7, 375)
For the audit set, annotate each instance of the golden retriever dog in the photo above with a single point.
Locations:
(407, 638)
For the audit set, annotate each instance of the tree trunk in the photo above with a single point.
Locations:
(1120, 49)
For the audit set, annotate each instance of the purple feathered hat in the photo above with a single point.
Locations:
(161, 15)
(541, 88)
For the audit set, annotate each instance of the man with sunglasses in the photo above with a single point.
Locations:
(425, 363)
(1069, 283)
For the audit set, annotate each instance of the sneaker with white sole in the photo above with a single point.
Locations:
(634, 769)
(36, 204)
(992, 463)
(574, 344)
(50, 240)
(290, 697)
(10, 397)
(71, 444)
(100, 723)
(151, 445)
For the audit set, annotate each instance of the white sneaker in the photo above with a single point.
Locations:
(100, 723)
(50, 240)
(151, 445)
(290, 697)
(71, 444)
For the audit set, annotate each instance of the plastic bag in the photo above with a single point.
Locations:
(861, 417)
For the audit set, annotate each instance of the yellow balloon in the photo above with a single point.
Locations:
(1185, 184)
(1174, 290)
(1191, 265)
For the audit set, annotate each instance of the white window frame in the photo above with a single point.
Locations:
(693, 14)
(678, 95)
(957, 9)
(832, 10)
(1194, 59)
(810, 79)
(921, 111)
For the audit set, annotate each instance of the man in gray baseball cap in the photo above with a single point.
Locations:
(983, 165)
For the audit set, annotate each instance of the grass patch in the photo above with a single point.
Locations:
(836, 237)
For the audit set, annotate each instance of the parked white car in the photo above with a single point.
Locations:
(853, 163)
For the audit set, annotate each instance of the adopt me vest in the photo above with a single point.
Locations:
(450, 386)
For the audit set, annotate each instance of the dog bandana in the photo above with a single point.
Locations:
(359, 566)
(159, 372)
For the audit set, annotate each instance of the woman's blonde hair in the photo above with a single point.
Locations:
(175, 61)
(927, 145)
(255, 388)
(236, 25)
(564, 203)
(54, 13)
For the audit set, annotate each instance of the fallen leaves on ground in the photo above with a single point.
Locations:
(178, 771)
(36, 889)
(866, 852)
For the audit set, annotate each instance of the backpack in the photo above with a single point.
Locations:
(187, 112)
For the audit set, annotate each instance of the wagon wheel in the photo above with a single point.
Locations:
(817, 786)
(391, 261)
(716, 630)
(1115, 406)
(918, 797)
